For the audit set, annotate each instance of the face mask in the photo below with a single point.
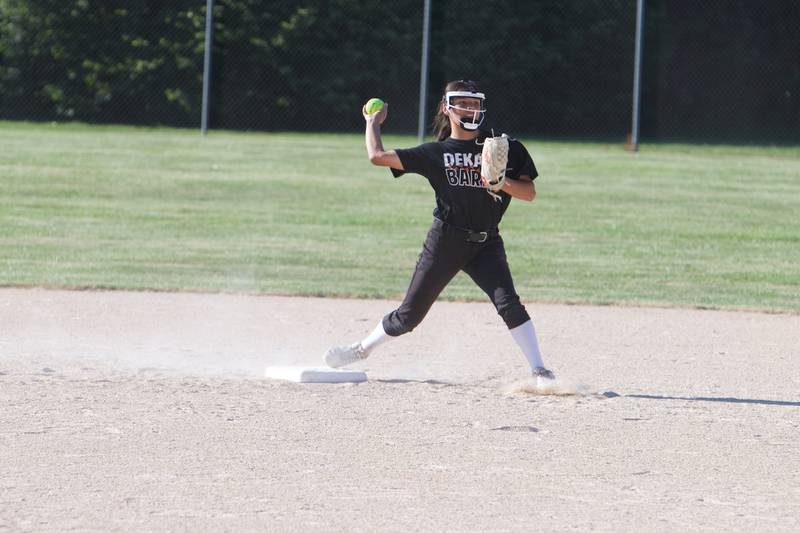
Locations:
(472, 121)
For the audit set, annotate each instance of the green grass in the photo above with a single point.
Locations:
(139, 208)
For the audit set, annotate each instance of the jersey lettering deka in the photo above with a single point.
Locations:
(461, 171)
(453, 169)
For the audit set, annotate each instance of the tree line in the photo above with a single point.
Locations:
(724, 70)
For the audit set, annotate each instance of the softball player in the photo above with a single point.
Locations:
(464, 234)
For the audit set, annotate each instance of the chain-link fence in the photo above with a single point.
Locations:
(726, 70)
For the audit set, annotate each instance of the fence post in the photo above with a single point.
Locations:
(207, 65)
(637, 76)
(423, 72)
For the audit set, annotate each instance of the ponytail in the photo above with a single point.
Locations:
(441, 124)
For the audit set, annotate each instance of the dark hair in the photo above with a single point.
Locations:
(441, 124)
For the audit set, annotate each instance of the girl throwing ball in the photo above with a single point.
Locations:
(464, 235)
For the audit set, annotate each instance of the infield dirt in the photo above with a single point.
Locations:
(147, 411)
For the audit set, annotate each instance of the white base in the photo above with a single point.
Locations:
(317, 374)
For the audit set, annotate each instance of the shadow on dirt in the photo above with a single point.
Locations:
(426, 381)
(713, 399)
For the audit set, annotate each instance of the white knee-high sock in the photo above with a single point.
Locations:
(525, 337)
(376, 338)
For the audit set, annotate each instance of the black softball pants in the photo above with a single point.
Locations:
(446, 251)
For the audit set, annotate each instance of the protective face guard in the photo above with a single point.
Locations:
(468, 123)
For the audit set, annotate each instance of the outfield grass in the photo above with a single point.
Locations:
(138, 208)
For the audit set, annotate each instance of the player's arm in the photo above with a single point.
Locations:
(522, 188)
(377, 155)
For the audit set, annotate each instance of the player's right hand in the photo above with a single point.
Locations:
(378, 117)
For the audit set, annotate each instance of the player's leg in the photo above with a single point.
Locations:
(489, 269)
(443, 255)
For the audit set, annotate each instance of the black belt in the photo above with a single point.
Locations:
(472, 235)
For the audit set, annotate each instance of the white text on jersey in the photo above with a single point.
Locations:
(463, 169)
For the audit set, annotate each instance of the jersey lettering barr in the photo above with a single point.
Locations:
(463, 170)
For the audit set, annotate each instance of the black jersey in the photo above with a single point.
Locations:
(453, 168)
